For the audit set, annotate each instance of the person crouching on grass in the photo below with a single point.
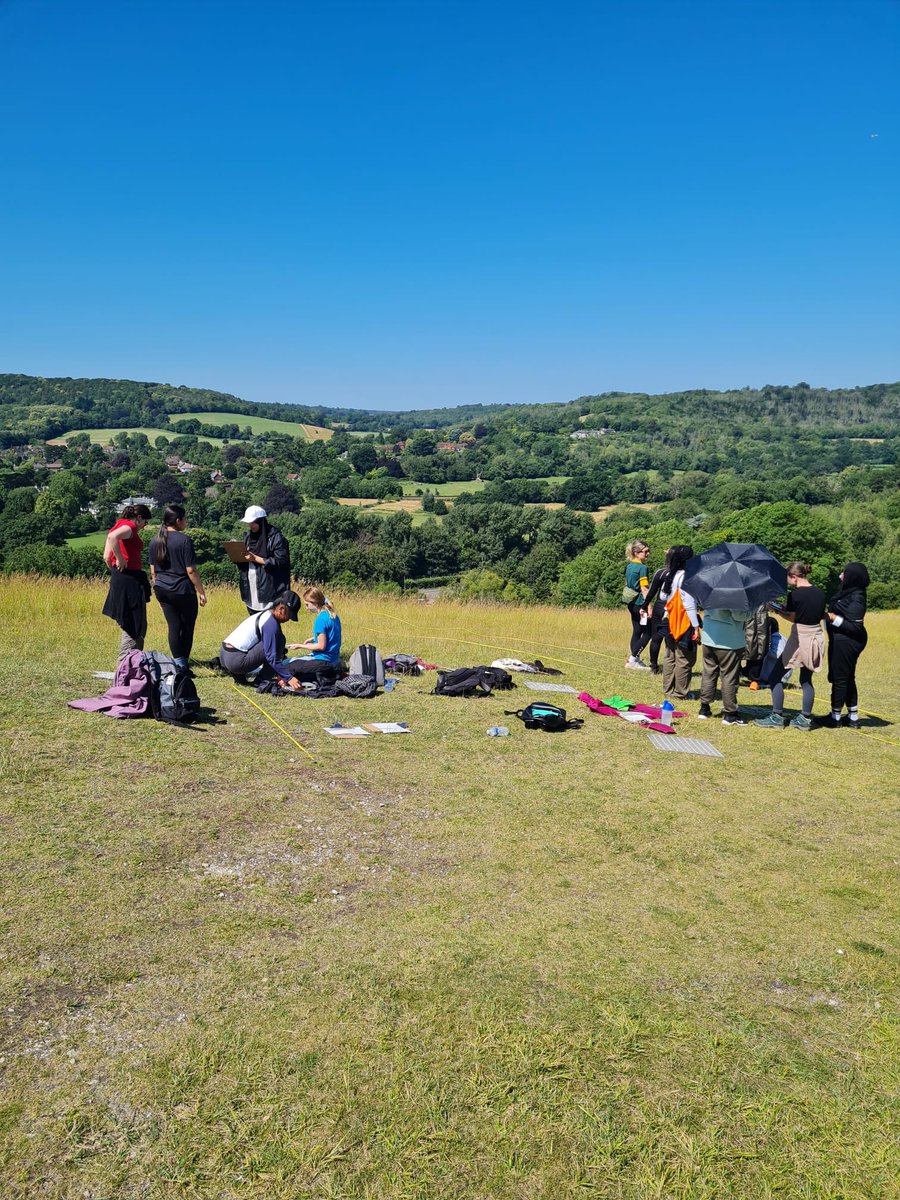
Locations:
(259, 643)
(325, 642)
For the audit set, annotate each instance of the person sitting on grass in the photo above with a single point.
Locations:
(258, 643)
(325, 642)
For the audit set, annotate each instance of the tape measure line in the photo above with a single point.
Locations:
(269, 717)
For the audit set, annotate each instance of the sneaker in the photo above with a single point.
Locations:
(772, 721)
(635, 664)
(705, 712)
(733, 719)
(655, 670)
(830, 722)
(849, 723)
(801, 722)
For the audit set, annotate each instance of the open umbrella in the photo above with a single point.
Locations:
(734, 575)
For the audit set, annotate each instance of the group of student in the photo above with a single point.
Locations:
(258, 644)
(728, 638)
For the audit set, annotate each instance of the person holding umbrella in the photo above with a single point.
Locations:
(729, 581)
(805, 647)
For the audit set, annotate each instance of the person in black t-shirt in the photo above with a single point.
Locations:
(805, 647)
(176, 583)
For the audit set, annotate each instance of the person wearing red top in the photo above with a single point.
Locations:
(129, 587)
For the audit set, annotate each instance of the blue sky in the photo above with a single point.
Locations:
(400, 205)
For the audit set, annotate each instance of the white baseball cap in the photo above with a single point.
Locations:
(253, 513)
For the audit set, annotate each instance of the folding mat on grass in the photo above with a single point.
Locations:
(685, 745)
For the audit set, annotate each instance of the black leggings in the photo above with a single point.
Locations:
(180, 611)
(640, 634)
(843, 655)
(659, 627)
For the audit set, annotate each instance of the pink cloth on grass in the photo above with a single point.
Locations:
(129, 695)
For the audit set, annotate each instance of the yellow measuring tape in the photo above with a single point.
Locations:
(601, 654)
(269, 717)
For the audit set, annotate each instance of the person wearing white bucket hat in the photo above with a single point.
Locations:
(267, 571)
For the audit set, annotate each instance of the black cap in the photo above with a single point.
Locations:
(291, 602)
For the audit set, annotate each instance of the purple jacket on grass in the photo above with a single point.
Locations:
(129, 695)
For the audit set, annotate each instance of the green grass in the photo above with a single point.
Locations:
(437, 965)
(256, 424)
(104, 437)
(410, 487)
(88, 539)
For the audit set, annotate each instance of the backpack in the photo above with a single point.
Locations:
(547, 717)
(173, 696)
(679, 621)
(365, 660)
(404, 664)
(472, 681)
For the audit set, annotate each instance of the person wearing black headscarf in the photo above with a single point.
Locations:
(847, 637)
(267, 570)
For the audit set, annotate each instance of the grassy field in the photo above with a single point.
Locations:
(440, 964)
(312, 433)
(88, 539)
(104, 437)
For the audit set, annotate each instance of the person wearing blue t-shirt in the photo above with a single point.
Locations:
(325, 643)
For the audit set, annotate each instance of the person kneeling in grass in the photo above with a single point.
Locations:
(259, 643)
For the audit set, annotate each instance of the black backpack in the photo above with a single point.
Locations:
(472, 681)
(547, 717)
(403, 664)
(173, 695)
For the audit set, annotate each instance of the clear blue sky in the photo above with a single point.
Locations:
(401, 205)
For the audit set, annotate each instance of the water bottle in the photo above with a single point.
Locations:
(498, 731)
(665, 714)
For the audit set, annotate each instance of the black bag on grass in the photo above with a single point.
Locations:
(472, 681)
(547, 717)
(173, 695)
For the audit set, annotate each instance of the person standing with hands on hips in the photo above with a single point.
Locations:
(805, 647)
(266, 572)
(129, 587)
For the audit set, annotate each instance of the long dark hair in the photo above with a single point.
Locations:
(171, 516)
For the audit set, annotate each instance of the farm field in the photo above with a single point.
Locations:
(88, 539)
(104, 437)
(312, 433)
(438, 964)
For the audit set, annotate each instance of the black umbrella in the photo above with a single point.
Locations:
(734, 575)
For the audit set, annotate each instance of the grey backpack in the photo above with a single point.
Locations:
(365, 660)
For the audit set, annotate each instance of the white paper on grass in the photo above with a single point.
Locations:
(386, 727)
(347, 731)
(635, 718)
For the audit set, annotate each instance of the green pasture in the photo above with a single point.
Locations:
(438, 965)
(104, 437)
(444, 490)
(256, 424)
(88, 539)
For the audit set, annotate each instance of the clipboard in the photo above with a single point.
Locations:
(236, 551)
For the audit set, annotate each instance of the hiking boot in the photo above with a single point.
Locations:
(772, 721)
(801, 722)
(705, 712)
(733, 719)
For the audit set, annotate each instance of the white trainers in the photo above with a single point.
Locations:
(635, 664)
